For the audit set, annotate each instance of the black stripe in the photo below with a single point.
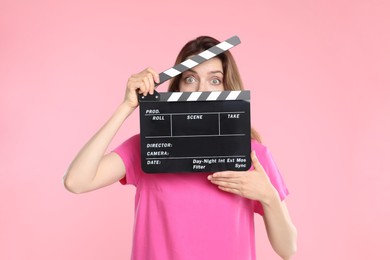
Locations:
(180, 67)
(164, 96)
(184, 96)
(233, 40)
(198, 59)
(204, 96)
(224, 95)
(216, 50)
(244, 95)
(164, 77)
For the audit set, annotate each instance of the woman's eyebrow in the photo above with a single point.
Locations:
(190, 70)
(210, 72)
(215, 71)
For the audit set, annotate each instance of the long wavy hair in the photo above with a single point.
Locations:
(231, 75)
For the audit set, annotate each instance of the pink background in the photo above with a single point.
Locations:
(319, 75)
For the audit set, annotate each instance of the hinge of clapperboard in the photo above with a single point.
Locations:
(190, 63)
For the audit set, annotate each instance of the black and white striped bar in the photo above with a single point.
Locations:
(199, 96)
(198, 59)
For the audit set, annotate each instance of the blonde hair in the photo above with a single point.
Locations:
(231, 79)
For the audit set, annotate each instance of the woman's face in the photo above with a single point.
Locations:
(207, 76)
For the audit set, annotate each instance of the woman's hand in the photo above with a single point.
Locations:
(253, 184)
(140, 83)
(256, 185)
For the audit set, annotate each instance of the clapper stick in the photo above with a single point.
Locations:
(197, 59)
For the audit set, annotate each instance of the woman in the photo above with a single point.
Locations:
(192, 215)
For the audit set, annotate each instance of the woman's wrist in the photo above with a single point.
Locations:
(124, 109)
(272, 197)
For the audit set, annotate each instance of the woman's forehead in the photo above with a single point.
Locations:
(213, 65)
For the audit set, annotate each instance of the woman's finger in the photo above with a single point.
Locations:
(231, 190)
(226, 174)
(156, 77)
(140, 86)
(151, 83)
(146, 83)
(255, 161)
(228, 184)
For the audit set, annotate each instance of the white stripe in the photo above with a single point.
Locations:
(189, 63)
(213, 95)
(224, 45)
(194, 96)
(174, 96)
(233, 95)
(172, 72)
(207, 54)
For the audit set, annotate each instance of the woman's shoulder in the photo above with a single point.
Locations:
(258, 147)
(135, 139)
(129, 145)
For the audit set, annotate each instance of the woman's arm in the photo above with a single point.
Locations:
(91, 169)
(280, 229)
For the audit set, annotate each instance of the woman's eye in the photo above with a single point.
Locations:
(189, 80)
(216, 81)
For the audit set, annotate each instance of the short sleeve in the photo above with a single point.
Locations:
(129, 152)
(269, 165)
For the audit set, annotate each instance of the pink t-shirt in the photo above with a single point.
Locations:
(184, 216)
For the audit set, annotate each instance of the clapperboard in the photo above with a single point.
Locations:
(195, 131)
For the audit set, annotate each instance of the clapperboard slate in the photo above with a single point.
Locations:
(195, 131)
